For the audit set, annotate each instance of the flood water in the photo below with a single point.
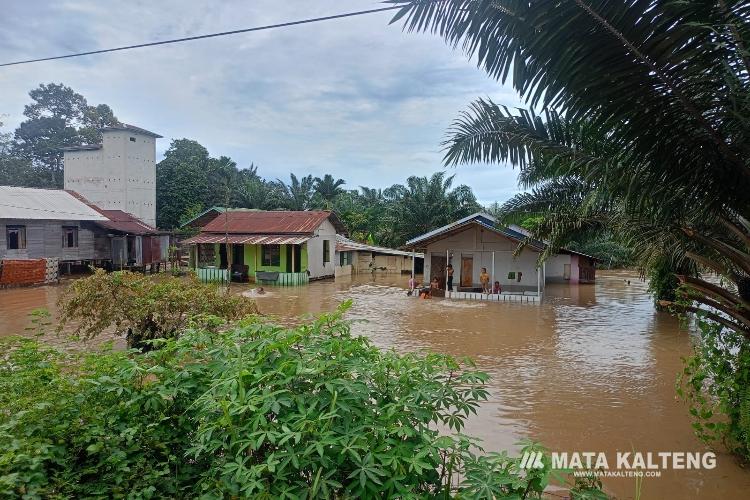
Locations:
(592, 369)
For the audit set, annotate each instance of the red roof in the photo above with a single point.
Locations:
(125, 223)
(271, 222)
(246, 239)
(118, 220)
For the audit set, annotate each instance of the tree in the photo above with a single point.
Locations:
(58, 117)
(298, 194)
(142, 308)
(644, 129)
(328, 188)
(182, 184)
(424, 204)
(14, 171)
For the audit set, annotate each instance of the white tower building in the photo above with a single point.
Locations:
(119, 174)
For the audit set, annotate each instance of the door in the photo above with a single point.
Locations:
(222, 256)
(437, 269)
(566, 271)
(238, 254)
(467, 270)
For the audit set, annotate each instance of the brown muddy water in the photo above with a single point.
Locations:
(592, 369)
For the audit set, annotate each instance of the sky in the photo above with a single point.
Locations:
(357, 98)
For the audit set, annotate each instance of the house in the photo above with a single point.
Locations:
(133, 243)
(64, 228)
(278, 247)
(49, 223)
(119, 173)
(475, 242)
(353, 257)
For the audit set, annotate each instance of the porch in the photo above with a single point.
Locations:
(245, 259)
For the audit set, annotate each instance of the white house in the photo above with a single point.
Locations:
(475, 242)
(119, 173)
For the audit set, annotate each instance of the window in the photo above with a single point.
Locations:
(326, 251)
(132, 139)
(271, 255)
(345, 258)
(70, 237)
(15, 237)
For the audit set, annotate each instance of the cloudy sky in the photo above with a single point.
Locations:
(356, 98)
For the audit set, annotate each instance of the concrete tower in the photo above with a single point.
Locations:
(119, 174)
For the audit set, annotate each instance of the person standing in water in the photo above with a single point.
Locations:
(449, 273)
(484, 279)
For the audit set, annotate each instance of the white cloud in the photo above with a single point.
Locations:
(356, 98)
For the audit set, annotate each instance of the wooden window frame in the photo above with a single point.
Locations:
(66, 231)
(20, 238)
(268, 259)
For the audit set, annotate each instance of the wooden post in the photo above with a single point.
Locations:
(413, 256)
(493, 271)
(538, 282)
(293, 258)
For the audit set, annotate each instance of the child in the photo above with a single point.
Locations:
(449, 272)
(496, 288)
(484, 279)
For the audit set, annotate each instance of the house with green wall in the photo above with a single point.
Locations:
(275, 247)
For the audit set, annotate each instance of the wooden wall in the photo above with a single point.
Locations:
(44, 240)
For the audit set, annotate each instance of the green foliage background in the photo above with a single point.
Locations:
(259, 411)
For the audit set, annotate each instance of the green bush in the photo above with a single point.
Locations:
(257, 411)
(716, 384)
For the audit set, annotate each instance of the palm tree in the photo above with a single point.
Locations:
(328, 188)
(424, 204)
(646, 119)
(298, 194)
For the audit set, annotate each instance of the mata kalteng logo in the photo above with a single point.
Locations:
(626, 463)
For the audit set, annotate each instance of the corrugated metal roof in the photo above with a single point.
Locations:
(126, 223)
(515, 233)
(117, 220)
(271, 222)
(52, 204)
(344, 244)
(479, 216)
(247, 239)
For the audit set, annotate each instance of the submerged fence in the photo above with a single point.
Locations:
(213, 275)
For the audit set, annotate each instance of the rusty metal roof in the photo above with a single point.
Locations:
(271, 222)
(246, 239)
(51, 204)
(124, 222)
(117, 220)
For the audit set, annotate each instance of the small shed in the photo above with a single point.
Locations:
(353, 257)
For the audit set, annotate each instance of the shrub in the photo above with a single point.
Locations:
(716, 384)
(256, 411)
(143, 308)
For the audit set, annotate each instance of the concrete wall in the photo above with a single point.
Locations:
(315, 264)
(119, 176)
(44, 240)
(480, 244)
(555, 266)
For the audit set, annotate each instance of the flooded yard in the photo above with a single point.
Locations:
(591, 369)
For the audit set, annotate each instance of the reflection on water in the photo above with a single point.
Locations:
(591, 369)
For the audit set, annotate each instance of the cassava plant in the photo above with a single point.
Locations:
(253, 411)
